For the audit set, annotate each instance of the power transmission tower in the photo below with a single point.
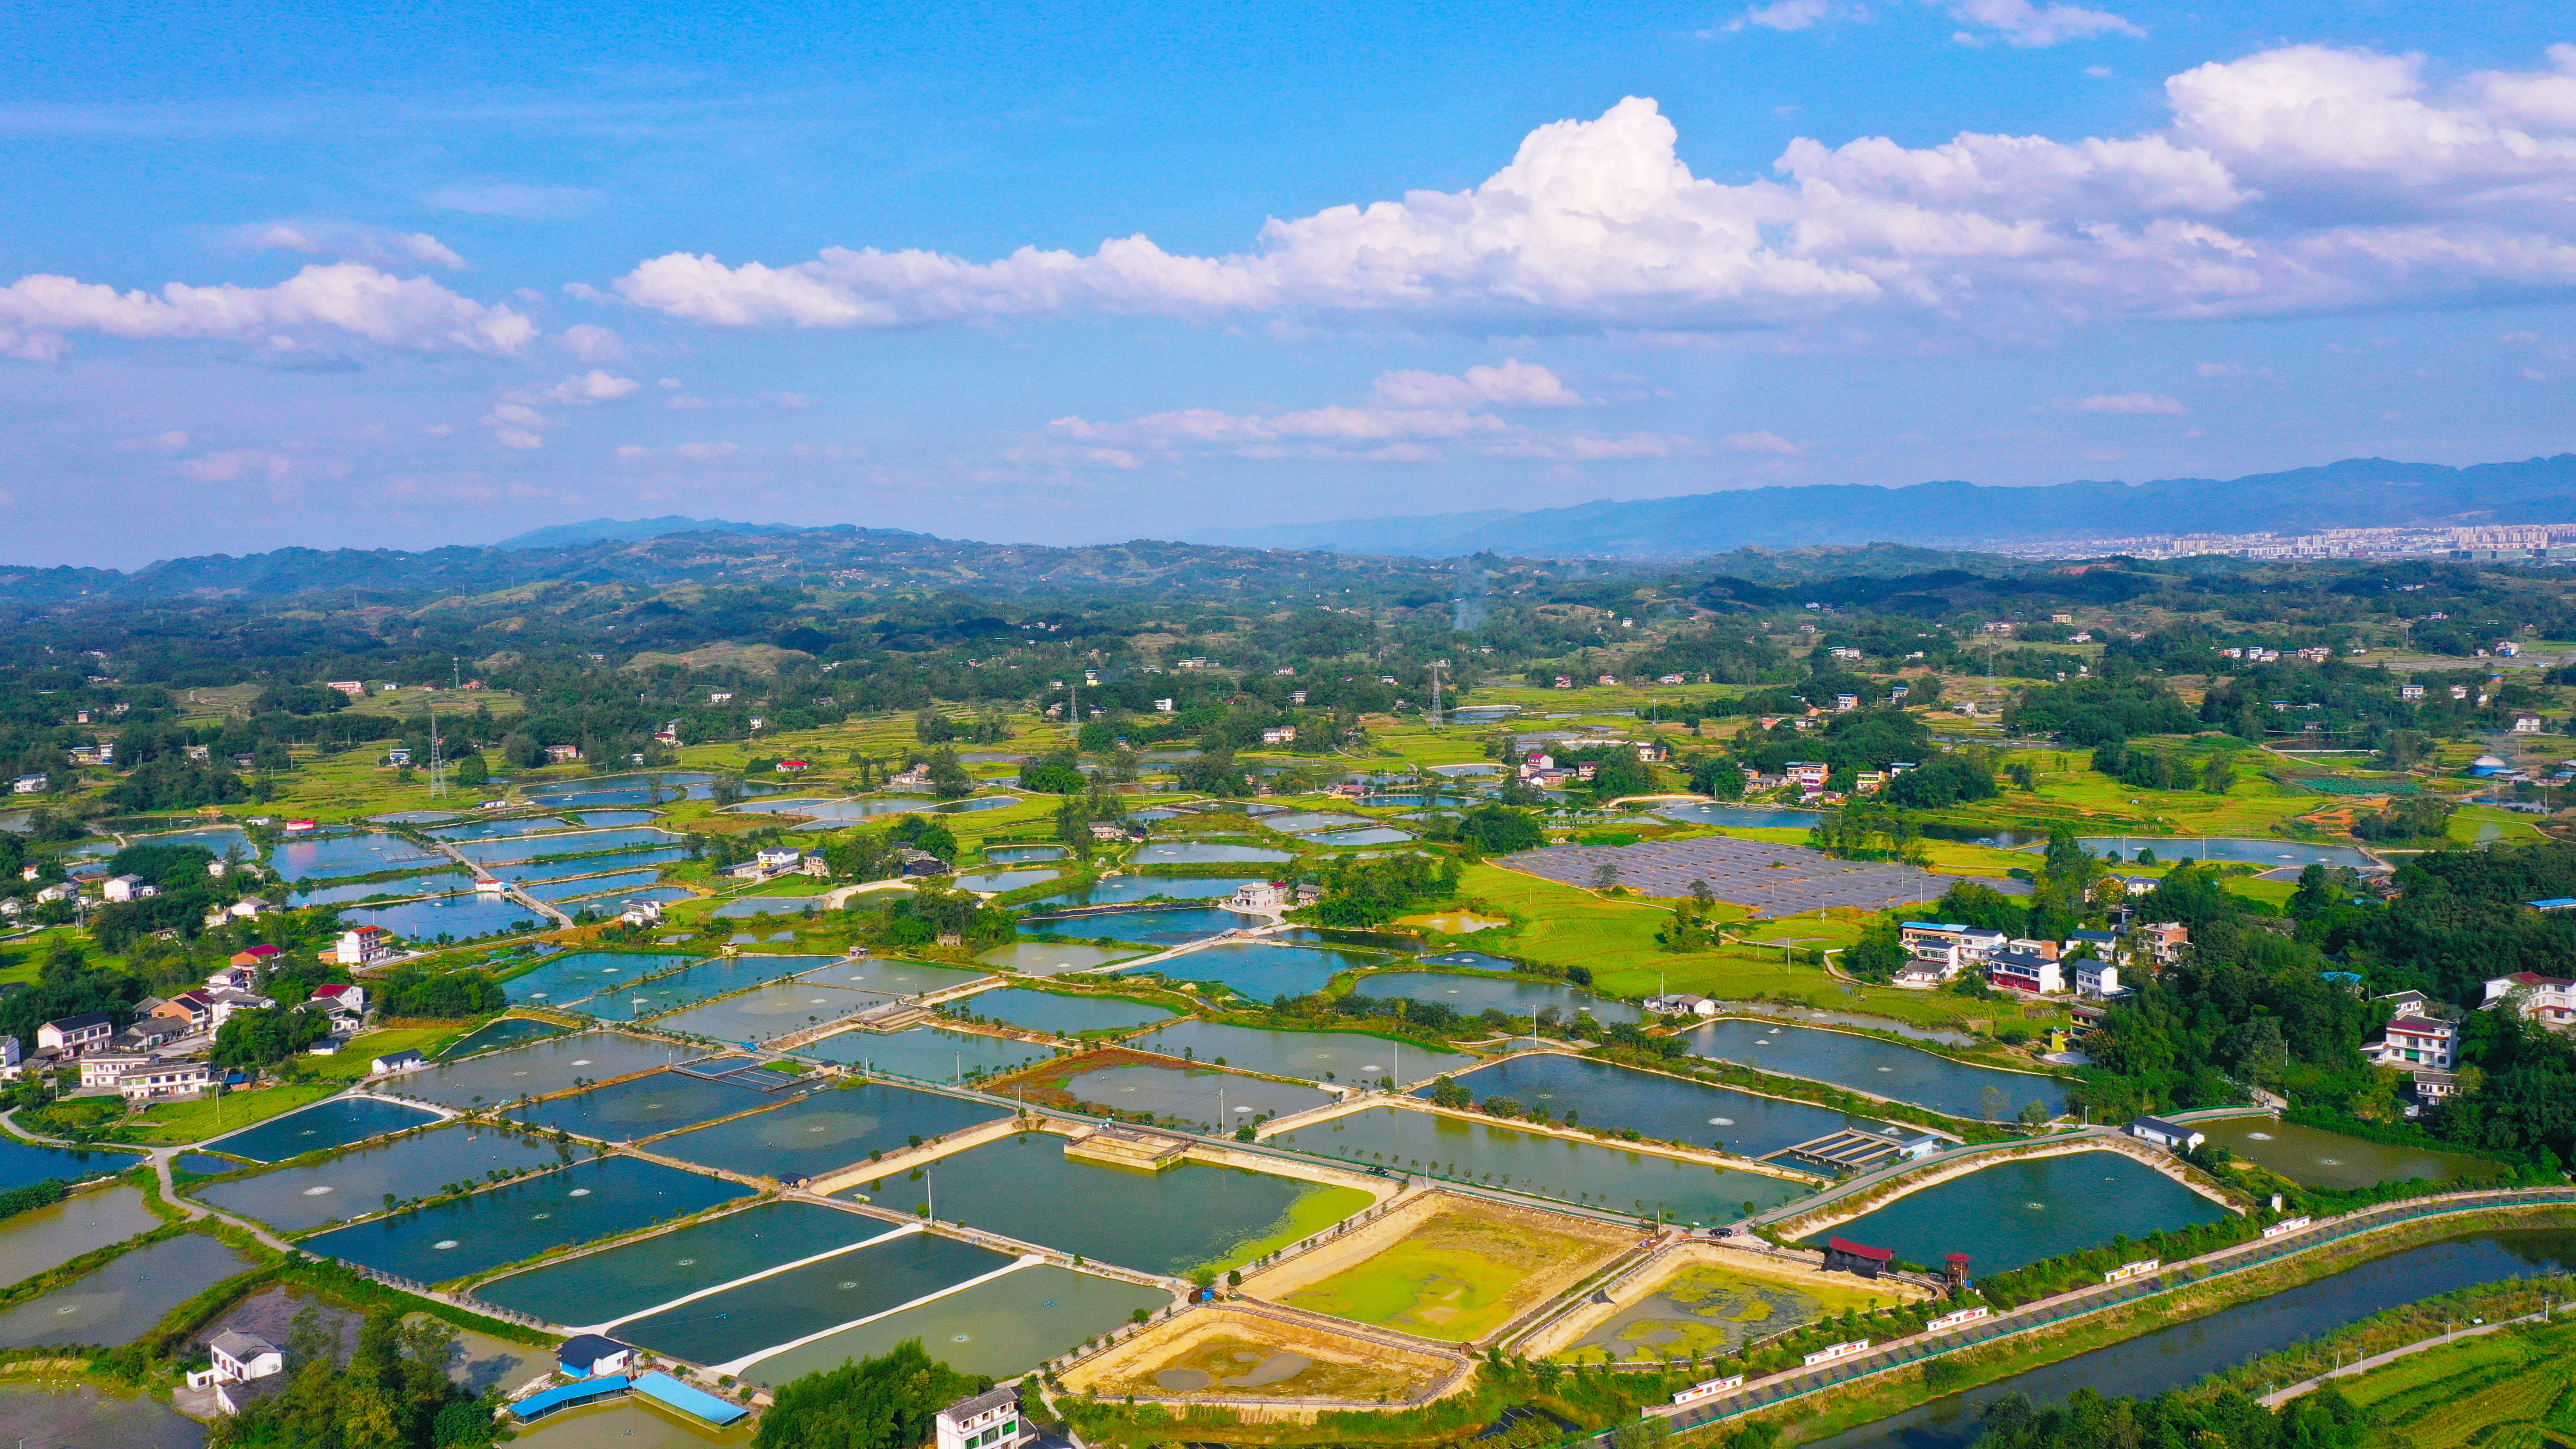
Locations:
(1436, 666)
(437, 761)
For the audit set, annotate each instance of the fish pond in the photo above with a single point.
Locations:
(583, 974)
(691, 985)
(1023, 854)
(1002, 882)
(579, 886)
(751, 906)
(1201, 1097)
(425, 884)
(1060, 1015)
(508, 1031)
(80, 1416)
(363, 853)
(1055, 958)
(292, 1199)
(1263, 971)
(42, 1239)
(2314, 1157)
(1475, 995)
(1592, 1174)
(554, 1065)
(22, 1162)
(1740, 817)
(1001, 1326)
(652, 788)
(519, 1220)
(335, 1123)
(2187, 1352)
(1205, 852)
(1300, 820)
(1351, 839)
(1314, 1056)
(222, 840)
(778, 1009)
(893, 976)
(465, 917)
(549, 847)
(1881, 1068)
(1159, 1222)
(1669, 1109)
(635, 1277)
(1121, 890)
(2016, 1213)
(497, 829)
(824, 1130)
(126, 1297)
(728, 1326)
(520, 872)
(2250, 852)
(642, 1107)
(927, 1053)
(1153, 926)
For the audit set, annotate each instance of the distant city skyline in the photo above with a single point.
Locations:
(1070, 274)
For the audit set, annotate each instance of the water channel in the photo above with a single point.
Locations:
(2188, 1352)
(1881, 1068)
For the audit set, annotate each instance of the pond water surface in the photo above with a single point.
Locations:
(508, 1031)
(894, 976)
(1374, 835)
(1002, 882)
(828, 1129)
(1055, 958)
(82, 1417)
(1001, 1327)
(567, 979)
(1668, 1108)
(2016, 1213)
(579, 886)
(769, 1011)
(292, 1199)
(2314, 1157)
(1315, 1056)
(1570, 1170)
(631, 1278)
(644, 1107)
(464, 917)
(429, 883)
(335, 1123)
(694, 984)
(124, 1298)
(926, 1053)
(363, 853)
(548, 847)
(45, 1238)
(2252, 852)
(1882, 1068)
(1262, 971)
(1021, 854)
(1154, 926)
(1203, 852)
(498, 829)
(522, 1219)
(23, 1162)
(553, 1065)
(1741, 817)
(1471, 995)
(615, 860)
(1201, 1097)
(1120, 890)
(1061, 1015)
(723, 1327)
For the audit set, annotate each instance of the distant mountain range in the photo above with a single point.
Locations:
(2355, 493)
(628, 530)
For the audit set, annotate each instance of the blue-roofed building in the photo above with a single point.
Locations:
(662, 1388)
(587, 1355)
(562, 1395)
(2554, 903)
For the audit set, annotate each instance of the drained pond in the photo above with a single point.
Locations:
(1881, 1068)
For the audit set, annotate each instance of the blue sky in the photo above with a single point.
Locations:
(399, 277)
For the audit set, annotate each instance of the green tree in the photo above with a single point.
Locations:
(877, 1403)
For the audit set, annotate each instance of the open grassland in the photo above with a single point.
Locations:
(1455, 1269)
(170, 1123)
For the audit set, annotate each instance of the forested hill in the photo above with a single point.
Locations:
(2355, 493)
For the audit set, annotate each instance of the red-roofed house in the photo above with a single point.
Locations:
(255, 957)
(2549, 1000)
(1842, 1255)
(341, 996)
(2416, 1041)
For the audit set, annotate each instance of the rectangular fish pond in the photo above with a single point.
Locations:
(694, 984)
(2016, 1213)
(651, 788)
(463, 917)
(519, 872)
(1023, 854)
(778, 1009)
(1121, 890)
(335, 1123)
(1049, 1011)
(1002, 882)
(1881, 1068)
(350, 1183)
(893, 976)
(737, 1323)
(491, 1036)
(574, 889)
(1166, 1222)
(1349, 839)
(824, 1130)
(427, 883)
(1056, 958)
(1264, 970)
(497, 829)
(1474, 995)
(636, 1277)
(1001, 1326)
(23, 1163)
(44, 1238)
(365, 852)
(1592, 1174)
(1668, 1109)
(581, 975)
(2314, 1157)
(519, 1220)
(927, 1053)
(557, 1064)
(642, 1107)
(1205, 852)
(1153, 926)
(572, 842)
(126, 1297)
(1201, 1097)
(1314, 1056)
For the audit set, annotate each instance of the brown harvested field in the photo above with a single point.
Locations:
(1214, 1353)
(1446, 1267)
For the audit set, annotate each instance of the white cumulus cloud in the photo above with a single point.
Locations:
(350, 242)
(1512, 384)
(2137, 403)
(323, 307)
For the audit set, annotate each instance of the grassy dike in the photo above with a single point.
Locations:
(1865, 1401)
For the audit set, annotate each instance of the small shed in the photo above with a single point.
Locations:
(662, 1388)
(1842, 1255)
(585, 1355)
(2171, 1135)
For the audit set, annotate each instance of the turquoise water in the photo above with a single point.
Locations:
(769, 1011)
(428, 883)
(1160, 1222)
(567, 979)
(615, 860)
(22, 1163)
(1062, 1015)
(827, 1129)
(1204, 852)
(565, 890)
(928, 1053)
(1471, 995)
(126, 1297)
(482, 1232)
(1201, 1097)
(509, 1031)
(498, 829)
(738, 1322)
(610, 902)
(1056, 958)
(644, 1107)
(1002, 1327)
(894, 976)
(612, 1284)
(362, 853)
(1263, 971)
(1019, 854)
(1570, 1170)
(554, 1065)
(1001, 882)
(220, 839)
(694, 984)
(335, 1123)
(292, 1199)
(1169, 926)
(1126, 889)
(1883, 1068)
(1345, 1056)
(452, 918)
(645, 789)
(1741, 817)
(1374, 835)
(2016, 1213)
(1665, 1108)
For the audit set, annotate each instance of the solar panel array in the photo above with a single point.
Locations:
(1777, 880)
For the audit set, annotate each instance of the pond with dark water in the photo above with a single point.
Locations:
(1314, 1056)
(508, 1031)
(582, 974)
(554, 1065)
(481, 1232)
(1120, 890)
(2188, 1352)
(1060, 1015)
(335, 1123)
(644, 1107)
(840, 1290)
(1153, 926)
(550, 847)
(1263, 971)
(2015, 1213)
(1882, 1068)
(693, 984)
(23, 1162)
(631, 1278)
(426, 884)
(828, 1129)
(81, 1417)
(1472, 995)
(893, 976)
(1201, 1097)
(616, 860)
(1568, 1169)
(2314, 1157)
(2252, 852)
(1666, 1108)
(292, 1199)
